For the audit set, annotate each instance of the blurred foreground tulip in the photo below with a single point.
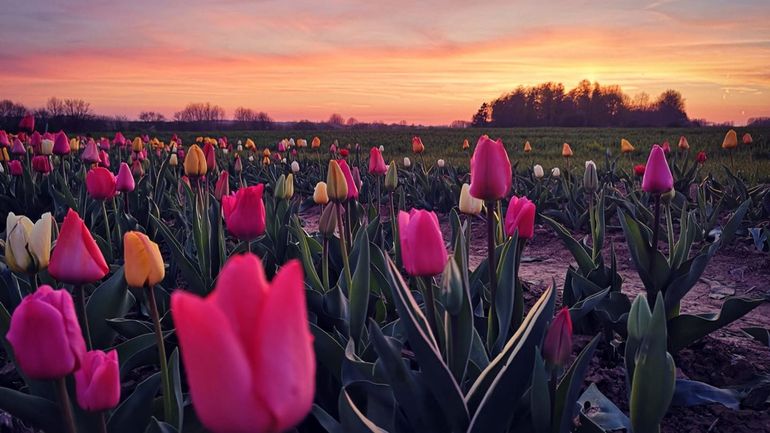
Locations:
(27, 245)
(520, 216)
(657, 176)
(422, 247)
(76, 259)
(247, 349)
(244, 212)
(557, 345)
(143, 261)
(490, 170)
(97, 382)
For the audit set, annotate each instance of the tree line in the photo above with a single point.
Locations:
(587, 104)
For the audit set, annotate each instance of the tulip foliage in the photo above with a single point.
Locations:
(238, 286)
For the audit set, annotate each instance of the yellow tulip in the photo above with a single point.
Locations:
(336, 185)
(731, 140)
(566, 151)
(195, 162)
(626, 146)
(319, 193)
(289, 192)
(74, 144)
(27, 245)
(250, 144)
(137, 145)
(5, 156)
(469, 205)
(316, 143)
(143, 262)
(527, 147)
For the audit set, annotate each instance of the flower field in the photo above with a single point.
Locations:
(409, 280)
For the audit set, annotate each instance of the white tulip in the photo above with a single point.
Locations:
(555, 172)
(294, 166)
(538, 169)
(440, 163)
(407, 162)
(240, 148)
(251, 158)
(382, 148)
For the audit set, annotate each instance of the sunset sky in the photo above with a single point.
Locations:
(425, 62)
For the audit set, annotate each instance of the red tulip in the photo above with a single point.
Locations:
(639, 170)
(45, 334)
(244, 212)
(100, 183)
(352, 187)
(422, 247)
(27, 123)
(376, 162)
(61, 144)
(520, 216)
(701, 157)
(211, 157)
(41, 164)
(76, 259)
(35, 140)
(97, 382)
(657, 176)
(558, 340)
(247, 350)
(490, 170)
(222, 187)
(666, 147)
(344, 153)
(15, 168)
(125, 180)
(137, 169)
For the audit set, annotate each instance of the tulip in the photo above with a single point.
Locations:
(27, 245)
(747, 138)
(173, 160)
(657, 176)
(701, 157)
(104, 143)
(294, 166)
(36, 141)
(683, 144)
(104, 159)
(336, 184)
(76, 259)
(557, 345)
(538, 171)
(422, 247)
(391, 177)
(100, 183)
(46, 147)
(45, 335)
(382, 148)
(417, 146)
(244, 212)
(352, 188)
(327, 224)
(316, 143)
(590, 177)
(4, 140)
(469, 204)
(119, 139)
(91, 153)
(301, 142)
(27, 123)
(18, 147)
(319, 194)
(124, 180)
(137, 169)
(731, 140)
(61, 144)
(247, 349)
(527, 147)
(666, 147)
(289, 191)
(137, 145)
(639, 170)
(344, 153)
(41, 164)
(466, 144)
(281, 146)
(265, 160)
(74, 144)
(490, 170)
(97, 382)
(143, 261)
(407, 162)
(440, 163)
(222, 187)
(4, 155)
(238, 165)
(566, 150)
(376, 162)
(626, 146)
(210, 152)
(520, 216)
(15, 167)
(555, 172)
(266, 152)
(195, 163)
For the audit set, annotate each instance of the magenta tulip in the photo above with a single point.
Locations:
(4, 140)
(247, 349)
(222, 187)
(520, 216)
(15, 168)
(422, 247)
(211, 156)
(18, 147)
(244, 212)
(558, 340)
(27, 123)
(377, 162)
(490, 170)
(104, 159)
(76, 259)
(125, 180)
(61, 144)
(657, 176)
(97, 382)
(91, 153)
(352, 187)
(45, 334)
(35, 141)
(41, 164)
(100, 183)
(104, 143)
(119, 140)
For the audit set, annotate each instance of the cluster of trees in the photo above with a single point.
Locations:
(58, 113)
(588, 104)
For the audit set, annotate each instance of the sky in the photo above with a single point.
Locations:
(428, 62)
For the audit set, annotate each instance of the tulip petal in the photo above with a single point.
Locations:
(76, 258)
(40, 240)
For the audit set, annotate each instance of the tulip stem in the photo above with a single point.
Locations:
(64, 405)
(430, 307)
(107, 231)
(345, 259)
(81, 295)
(162, 354)
(651, 294)
(492, 265)
(102, 425)
(32, 283)
(325, 263)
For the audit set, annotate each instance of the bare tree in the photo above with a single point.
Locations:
(9, 108)
(77, 109)
(200, 112)
(55, 107)
(151, 116)
(336, 119)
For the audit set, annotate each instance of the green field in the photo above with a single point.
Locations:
(587, 143)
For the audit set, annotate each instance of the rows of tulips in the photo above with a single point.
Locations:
(188, 292)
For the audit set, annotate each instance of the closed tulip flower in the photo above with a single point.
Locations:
(137, 145)
(683, 144)
(315, 143)
(91, 153)
(440, 163)
(301, 143)
(97, 382)
(527, 147)
(173, 160)
(466, 144)
(747, 138)
(555, 172)
(590, 177)
(538, 171)
(45, 335)
(195, 162)
(46, 147)
(41, 164)
(119, 140)
(36, 141)
(657, 176)
(639, 170)
(566, 150)
(247, 349)
(15, 167)
(61, 144)
(376, 162)
(74, 144)
(701, 157)
(666, 147)
(407, 162)
(626, 146)
(348, 174)
(104, 143)
(18, 147)
(244, 212)
(289, 193)
(490, 170)
(27, 245)
(391, 177)
(222, 187)
(557, 345)
(520, 216)
(144, 264)
(422, 247)
(417, 146)
(469, 204)
(125, 180)
(137, 169)
(336, 184)
(100, 183)
(104, 159)
(319, 194)
(76, 259)
(731, 140)
(238, 165)
(294, 166)
(210, 153)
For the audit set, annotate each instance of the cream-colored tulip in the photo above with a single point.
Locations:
(469, 205)
(319, 193)
(27, 245)
(46, 147)
(538, 170)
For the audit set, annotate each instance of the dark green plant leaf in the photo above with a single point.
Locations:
(133, 414)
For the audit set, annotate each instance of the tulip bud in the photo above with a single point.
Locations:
(46, 147)
(315, 143)
(18, 147)
(466, 144)
(382, 148)
(28, 246)
(657, 176)
(222, 187)
(468, 204)
(376, 162)
(91, 153)
(440, 163)
(137, 145)
(336, 185)
(41, 164)
(137, 169)
(319, 194)
(701, 157)
(280, 188)
(527, 147)
(666, 147)
(590, 178)
(639, 170)
(100, 183)
(195, 162)
(15, 167)
(538, 171)
(555, 172)
(520, 218)
(490, 170)
(391, 177)
(173, 160)
(125, 179)
(294, 166)
(557, 345)
(328, 222)
(683, 144)
(731, 140)
(625, 146)
(422, 247)
(407, 162)
(143, 262)
(747, 138)
(417, 146)
(27, 123)
(97, 382)
(566, 150)
(289, 191)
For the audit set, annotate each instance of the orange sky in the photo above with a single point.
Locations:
(431, 62)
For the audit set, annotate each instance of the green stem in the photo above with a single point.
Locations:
(670, 231)
(107, 231)
(430, 307)
(80, 293)
(33, 283)
(102, 425)
(325, 263)
(652, 294)
(343, 246)
(64, 405)
(167, 403)
(492, 268)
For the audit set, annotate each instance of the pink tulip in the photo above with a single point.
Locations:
(61, 144)
(352, 188)
(15, 168)
(244, 212)
(520, 216)
(281, 146)
(76, 259)
(557, 345)
(45, 334)
(377, 162)
(125, 180)
(100, 183)
(27, 123)
(247, 349)
(104, 143)
(422, 247)
(18, 147)
(657, 176)
(97, 382)
(4, 140)
(222, 187)
(35, 140)
(104, 159)
(490, 170)
(91, 153)
(119, 139)
(211, 157)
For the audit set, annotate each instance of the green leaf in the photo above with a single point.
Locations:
(539, 396)
(353, 420)
(190, 272)
(762, 335)
(329, 352)
(156, 426)
(34, 411)
(110, 300)
(177, 398)
(359, 293)
(325, 420)
(582, 257)
(686, 329)
(638, 321)
(308, 264)
(133, 414)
